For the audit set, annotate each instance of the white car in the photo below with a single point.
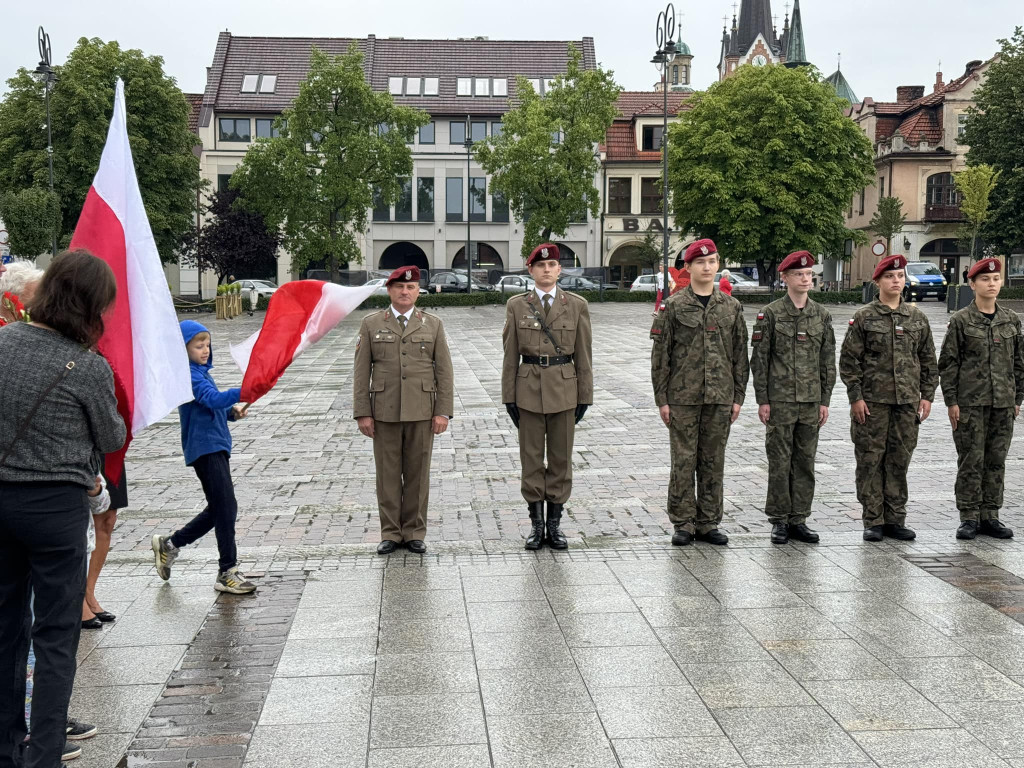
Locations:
(644, 283)
(262, 287)
(515, 284)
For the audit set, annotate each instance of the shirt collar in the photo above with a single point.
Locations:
(541, 294)
(397, 314)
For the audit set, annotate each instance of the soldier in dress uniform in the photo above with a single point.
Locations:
(794, 366)
(982, 372)
(546, 386)
(699, 369)
(403, 396)
(889, 368)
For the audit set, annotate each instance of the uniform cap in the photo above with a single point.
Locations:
(404, 275)
(893, 262)
(985, 265)
(704, 247)
(797, 260)
(544, 252)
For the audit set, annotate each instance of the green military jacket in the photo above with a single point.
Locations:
(793, 355)
(888, 356)
(982, 360)
(700, 355)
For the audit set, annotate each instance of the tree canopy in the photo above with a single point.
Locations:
(341, 147)
(81, 104)
(545, 160)
(976, 184)
(993, 132)
(765, 163)
(888, 220)
(31, 217)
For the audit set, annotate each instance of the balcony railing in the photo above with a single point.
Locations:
(943, 213)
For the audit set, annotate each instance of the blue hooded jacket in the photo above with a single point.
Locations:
(204, 421)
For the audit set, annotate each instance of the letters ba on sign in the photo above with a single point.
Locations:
(633, 225)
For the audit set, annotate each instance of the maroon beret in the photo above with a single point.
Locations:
(404, 275)
(544, 252)
(893, 262)
(985, 265)
(797, 260)
(700, 248)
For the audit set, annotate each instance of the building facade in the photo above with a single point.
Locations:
(917, 152)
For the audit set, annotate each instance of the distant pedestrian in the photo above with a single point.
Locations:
(725, 284)
(206, 441)
(659, 281)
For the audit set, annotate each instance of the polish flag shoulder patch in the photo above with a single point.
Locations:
(852, 321)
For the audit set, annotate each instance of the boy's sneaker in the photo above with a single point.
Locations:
(77, 730)
(234, 582)
(71, 751)
(164, 554)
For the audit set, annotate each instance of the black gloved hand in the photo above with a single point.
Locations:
(581, 411)
(513, 413)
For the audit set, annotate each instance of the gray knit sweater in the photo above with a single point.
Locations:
(74, 424)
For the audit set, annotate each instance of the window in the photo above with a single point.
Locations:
(412, 86)
(499, 207)
(403, 206)
(556, 137)
(881, 187)
(464, 86)
(381, 211)
(499, 87)
(478, 198)
(268, 84)
(265, 129)
(425, 198)
(453, 199)
(861, 206)
(395, 86)
(497, 129)
(942, 190)
(427, 133)
(652, 138)
(383, 129)
(478, 131)
(536, 83)
(482, 87)
(261, 83)
(249, 83)
(456, 132)
(650, 195)
(961, 124)
(234, 129)
(223, 181)
(620, 195)
(430, 86)
(675, 74)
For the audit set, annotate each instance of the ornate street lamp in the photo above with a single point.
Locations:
(665, 32)
(48, 77)
(469, 204)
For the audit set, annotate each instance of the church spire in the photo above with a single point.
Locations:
(756, 19)
(796, 50)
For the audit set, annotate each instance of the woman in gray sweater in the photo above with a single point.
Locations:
(58, 415)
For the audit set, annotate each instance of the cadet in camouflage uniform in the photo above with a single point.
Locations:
(889, 368)
(793, 360)
(982, 371)
(699, 369)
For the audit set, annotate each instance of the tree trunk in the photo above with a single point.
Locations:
(333, 262)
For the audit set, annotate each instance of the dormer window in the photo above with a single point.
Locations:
(395, 86)
(259, 83)
(481, 86)
(412, 86)
(268, 83)
(499, 87)
(249, 83)
(430, 86)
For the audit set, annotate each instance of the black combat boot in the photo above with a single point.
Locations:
(968, 529)
(874, 533)
(556, 539)
(536, 538)
(901, 532)
(995, 529)
(780, 533)
(801, 532)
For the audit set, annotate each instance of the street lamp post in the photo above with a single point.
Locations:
(48, 78)
(469, 204)
(664, 34)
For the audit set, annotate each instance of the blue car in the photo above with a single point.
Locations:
(924, 280)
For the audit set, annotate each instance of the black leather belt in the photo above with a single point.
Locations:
(544, 361)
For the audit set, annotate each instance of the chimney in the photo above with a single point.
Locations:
(939, 85)
(908, 93)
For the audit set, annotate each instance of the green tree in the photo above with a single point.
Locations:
(339, 145)
(648, 252)
(888, 220)
(31, 217)
(545, 161)
(976, 185)
(81, 103)
(993, 132)
(765, 163)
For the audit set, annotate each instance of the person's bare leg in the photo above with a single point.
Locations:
(104, 530)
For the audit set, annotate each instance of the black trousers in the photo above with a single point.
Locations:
(42, 550)
(214, 472)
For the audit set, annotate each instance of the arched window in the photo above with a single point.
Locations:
(942, 190)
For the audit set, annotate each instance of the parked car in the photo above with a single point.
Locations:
(515, 284)
(923, 280)
(454, 282)
(263, 287)
(645, 283)
(380, 289)
(743, 284)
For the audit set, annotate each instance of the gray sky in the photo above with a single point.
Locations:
(884, 43)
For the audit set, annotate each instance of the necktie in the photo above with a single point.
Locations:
(402, 321)
(547, 304)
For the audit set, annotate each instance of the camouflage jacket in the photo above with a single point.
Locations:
(700, 355)
(982, 360)
(888, 355)
(793, 355)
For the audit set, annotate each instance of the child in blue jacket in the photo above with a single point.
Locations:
(206, 441)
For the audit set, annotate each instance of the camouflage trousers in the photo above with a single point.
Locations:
(982, 441)
(791, 443)
(883, 447)
(697, 434)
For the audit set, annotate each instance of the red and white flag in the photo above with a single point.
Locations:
(142, 341)
(300, 313)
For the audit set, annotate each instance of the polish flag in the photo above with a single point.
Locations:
(300, 313)
(142, 341)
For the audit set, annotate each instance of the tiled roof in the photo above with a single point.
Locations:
(620, 141)
(651, 103)
(195, 101)
(288, 58)
(925, 125)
